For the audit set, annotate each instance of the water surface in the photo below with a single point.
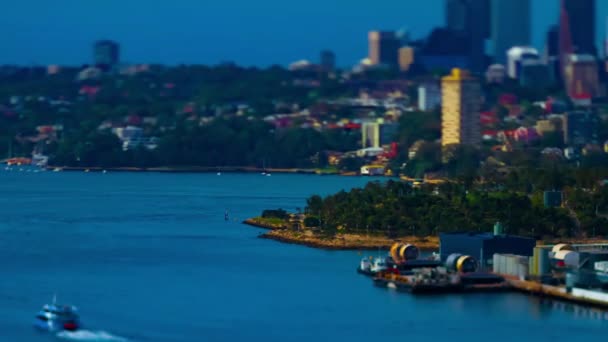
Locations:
(149, 257)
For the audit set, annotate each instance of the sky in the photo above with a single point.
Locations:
(248, 32)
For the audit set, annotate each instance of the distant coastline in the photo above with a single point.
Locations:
(205, 169)
(194, 169)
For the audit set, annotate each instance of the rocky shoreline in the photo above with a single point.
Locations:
(340, 241)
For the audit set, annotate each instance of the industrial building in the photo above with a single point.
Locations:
(483, 246)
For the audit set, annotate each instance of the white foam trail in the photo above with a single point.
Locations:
(91, 336)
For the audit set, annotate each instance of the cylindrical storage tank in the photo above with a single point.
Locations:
(544, 264)
(570, 258)
(395, 251)
(496, 263)
(450, 262)
(561, 247)
(513, 263)
(408, 252)
(532, 267)
(522, 271)
(466, 264)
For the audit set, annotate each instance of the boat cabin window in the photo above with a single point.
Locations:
(42, 318)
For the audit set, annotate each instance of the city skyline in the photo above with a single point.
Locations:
(200, 33)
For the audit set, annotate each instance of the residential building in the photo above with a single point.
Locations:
(378, 134)
(461, 102)
(496, 73)
(516, 56)
(53, 69)
(132, 137)
(407, 57)
(580, 128)
(384, 48)
(471, 17)
(581, 19)
(106, 54)
(328, 60)
(510, 26)
(547, 126)
(90, 73)
(581, 76)
(429, 96)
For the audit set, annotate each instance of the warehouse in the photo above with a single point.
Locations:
(483, 246)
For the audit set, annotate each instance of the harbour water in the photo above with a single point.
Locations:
(149, 257)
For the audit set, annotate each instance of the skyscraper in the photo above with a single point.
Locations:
(106, 53)
(552, 52)
(510, 26)
(384, 48)
(471, 17)
(461, 103)
(581, 17)
(552, 42)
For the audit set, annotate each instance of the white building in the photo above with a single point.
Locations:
(516, 56)
(372, 170)
(429, 96)
(133, 137)
(495, 73)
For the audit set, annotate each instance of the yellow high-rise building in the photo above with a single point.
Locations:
(461, 103)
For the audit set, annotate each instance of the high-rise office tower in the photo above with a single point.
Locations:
(471, 17)
(551, 54)
(581, 17)
(510, 26)
(460, 106)
(106, 53)
(552, 42)
(384, 48)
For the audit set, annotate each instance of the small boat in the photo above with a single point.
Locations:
(372, 267)
(54, 317)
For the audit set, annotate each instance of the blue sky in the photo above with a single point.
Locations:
(248, 32)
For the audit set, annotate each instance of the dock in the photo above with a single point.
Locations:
(573, 295)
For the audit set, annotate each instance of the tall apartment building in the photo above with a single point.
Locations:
(461, 104)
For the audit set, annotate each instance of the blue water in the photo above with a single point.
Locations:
(149, 257)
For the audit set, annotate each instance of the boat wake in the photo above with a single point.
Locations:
(91, 336)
